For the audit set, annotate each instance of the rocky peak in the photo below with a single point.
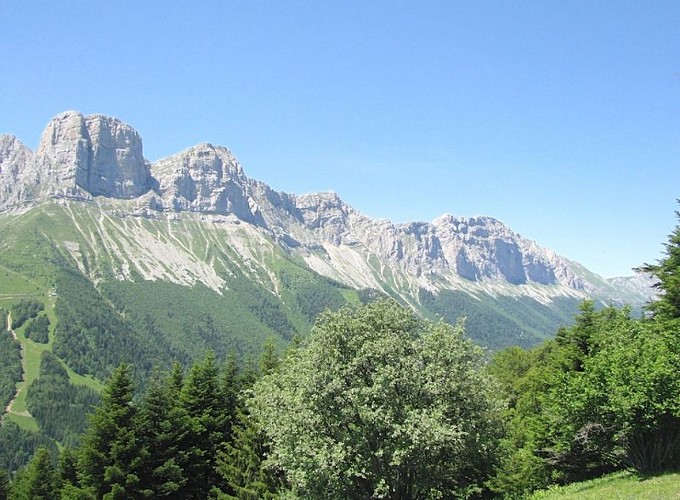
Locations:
(14, 157)
(205, 179)
(320, 210)
(91, 155)
(116, 166)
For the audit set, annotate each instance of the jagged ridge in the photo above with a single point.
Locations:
(99, 158)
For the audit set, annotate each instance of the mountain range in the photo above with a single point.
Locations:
(87, 201)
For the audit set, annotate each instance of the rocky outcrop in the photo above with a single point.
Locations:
(206, 179)
(84, 157)
(94, 155)
(115, 164)
(14, 157)
(78, 157)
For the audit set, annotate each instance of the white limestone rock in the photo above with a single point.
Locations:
(205, 179)
(14, 158)
(81, 157)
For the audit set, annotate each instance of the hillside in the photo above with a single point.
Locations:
(619, 485)
(126, 260)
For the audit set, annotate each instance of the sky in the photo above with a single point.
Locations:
(561, 119)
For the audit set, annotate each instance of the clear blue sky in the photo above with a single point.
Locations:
(561, 119)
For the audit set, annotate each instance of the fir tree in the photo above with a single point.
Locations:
(4, 484)
(38, 480)
(110, 454)
(204, 400)
(241, 464)
(667, 271)
(162, 433)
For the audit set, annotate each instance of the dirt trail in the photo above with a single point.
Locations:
(9, 408)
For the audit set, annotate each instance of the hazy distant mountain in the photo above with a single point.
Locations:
(91, 201)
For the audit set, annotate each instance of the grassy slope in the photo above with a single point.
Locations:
(620, 485)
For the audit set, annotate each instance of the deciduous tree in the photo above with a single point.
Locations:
(380, 404)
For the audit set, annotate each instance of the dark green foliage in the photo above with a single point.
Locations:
(60, 408)
(17, 445)
(241, 463)
(4, 484)
(204, 399)
(165, 445)
(11, 371)
(163, 434)
(25, 310)
(498, 322)
(110, 455)
(313, 293)
(91, 336)
(38, 330)
(667, 271)
(38, 480)
(367, 295)
(184, 325)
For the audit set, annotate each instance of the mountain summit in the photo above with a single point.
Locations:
(96, 163)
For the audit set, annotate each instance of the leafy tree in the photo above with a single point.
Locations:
(380, 404)
(627, 401)
(110, 455)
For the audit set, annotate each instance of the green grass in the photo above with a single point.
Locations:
(621, 485)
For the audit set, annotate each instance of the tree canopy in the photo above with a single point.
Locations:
(379, 404)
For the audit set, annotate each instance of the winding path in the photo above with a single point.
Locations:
(22, 384)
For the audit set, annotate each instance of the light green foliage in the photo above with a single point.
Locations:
(542, 443)
(628, 396)
(379, 404)
(619, 485)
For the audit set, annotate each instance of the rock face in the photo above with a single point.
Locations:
(84, 157)
(205, 179)
(97, 154)
(78, 157)
(14, 157)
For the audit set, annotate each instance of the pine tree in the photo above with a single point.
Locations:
(4, 484)
(38, 481)
(241, 464)
(110, 454)
(667, 271)
(162, 433)
(204, 400)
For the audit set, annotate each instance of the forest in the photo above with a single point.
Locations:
(375, 403)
